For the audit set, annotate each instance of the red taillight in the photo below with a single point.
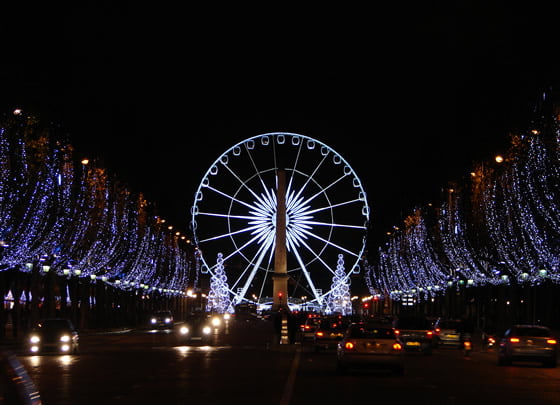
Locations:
(467, 344)
(429, 334)
(319, 333)
(551, 341)
(514, 340)
(491, 340)
(397, 332)
(397, 346)
(349, 345)
(438, 330)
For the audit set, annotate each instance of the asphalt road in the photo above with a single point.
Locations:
(246, 365)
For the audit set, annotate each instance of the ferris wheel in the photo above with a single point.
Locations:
(234, 217)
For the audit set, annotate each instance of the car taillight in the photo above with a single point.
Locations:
(397, 346)
(429, 334)
(349, 345)
(438, 330)
(551, 341)
(514, 340)
(320, 333)
(397, 332)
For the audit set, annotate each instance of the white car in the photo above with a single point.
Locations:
(369, 345)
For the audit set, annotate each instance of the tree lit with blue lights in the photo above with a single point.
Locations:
(70, 217)
(501, 226)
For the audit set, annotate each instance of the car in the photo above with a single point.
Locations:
(368, 346)
(56, 335)
(448, 332)
(162, 319)
(307, 330)
(329, 332)
(415, 332)
(200, 327)
(528, 342)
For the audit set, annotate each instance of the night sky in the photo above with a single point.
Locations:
(410, 98)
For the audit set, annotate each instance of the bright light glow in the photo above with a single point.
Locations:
(207, 330)
(65, 338)
(34, 339)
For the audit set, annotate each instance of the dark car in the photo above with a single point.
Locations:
(416, 333)
(534, 343)
(200, 327)
(56, 335)
(161, 319)
(370, 345)
(449, 332)
(329, 332)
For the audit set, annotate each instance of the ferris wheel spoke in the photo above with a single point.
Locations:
(305, 272)
(329, 207)
(309, 178)
(257, 171)
(296, 239)
(261, 253)
(229, 197)
(330, 224)
(328, 242)
(326, 188)
(244, 184)
(229, 234)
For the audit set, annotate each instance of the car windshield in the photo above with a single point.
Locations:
(413, 323)
(364, 331)
(53, 325)
(539, 332)
(449, 324)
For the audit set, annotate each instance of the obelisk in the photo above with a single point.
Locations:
(280, 277)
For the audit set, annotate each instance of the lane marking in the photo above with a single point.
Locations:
(290, 383)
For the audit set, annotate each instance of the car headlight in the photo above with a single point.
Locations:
(226, 317)
(216, 321)
(207, 330)
(184, 330)
(167, 320)
(65, 338)
(153, 320)
(34, 339)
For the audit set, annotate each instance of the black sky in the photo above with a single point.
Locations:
(410, 98)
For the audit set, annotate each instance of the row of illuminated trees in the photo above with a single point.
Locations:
(500, 225)
(67, 216)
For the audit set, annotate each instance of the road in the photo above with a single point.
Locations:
(244, 365)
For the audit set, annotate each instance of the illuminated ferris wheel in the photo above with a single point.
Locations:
(234, 216)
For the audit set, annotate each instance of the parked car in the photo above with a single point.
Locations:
(329, 332)
(370, 345)
(448, 332)
(415, 332)
(161, 319)
(56, 335)
(524, 342)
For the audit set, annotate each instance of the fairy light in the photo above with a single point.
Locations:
(77, 221)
